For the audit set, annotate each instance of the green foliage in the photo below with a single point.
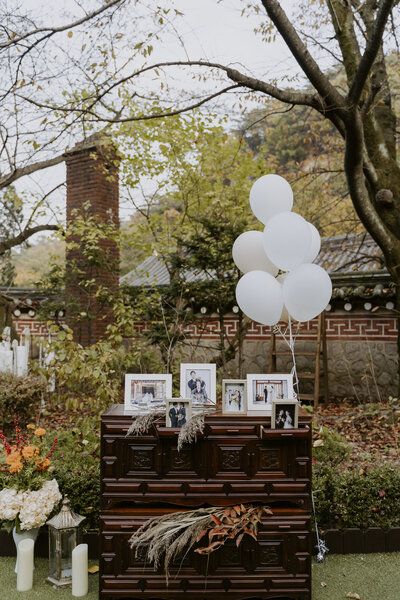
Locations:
(20, 397)
(77, 468)
(330, 448)
(358, 498)
(96, 371)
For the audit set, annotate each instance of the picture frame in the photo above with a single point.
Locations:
(178, 412)
(146, 391)
(285, 414)
(234, 396)
(263, 388)
(198, 381)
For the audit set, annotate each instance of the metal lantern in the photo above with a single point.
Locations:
(64, 533)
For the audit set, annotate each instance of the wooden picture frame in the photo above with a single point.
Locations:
(285, 414)
(182, 414)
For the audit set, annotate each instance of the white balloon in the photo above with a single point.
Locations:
(259, 296)
(307, 291)
(270, 195)
(315, 244)
(248, 253)
(287, 240)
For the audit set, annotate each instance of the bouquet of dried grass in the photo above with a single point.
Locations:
(167, 537)
(141, 424)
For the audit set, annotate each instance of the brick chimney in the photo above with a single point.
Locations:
(92, 191)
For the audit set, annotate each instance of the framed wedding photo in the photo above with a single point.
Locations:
(234, 396)
(263, 389)
(285, 414)
(199, 383)
(144, 392)
(178, 412)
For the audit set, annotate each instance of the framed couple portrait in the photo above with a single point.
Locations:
(199, 383)
(285, 414)
(234, 396)
(264, 389)
(144, 392)
(178, 412)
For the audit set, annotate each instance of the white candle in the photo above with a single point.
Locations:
(6, 361)
(80, 583)
(25, 565)
(22, 361)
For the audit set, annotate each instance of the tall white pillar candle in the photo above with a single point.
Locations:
(80, 583)
(25, 565)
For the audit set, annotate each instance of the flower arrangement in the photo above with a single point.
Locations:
(28, 494)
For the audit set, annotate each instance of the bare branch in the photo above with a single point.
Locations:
(24, 235)
(19, 172)
(300, 52)
(371, 50)
(49, 31)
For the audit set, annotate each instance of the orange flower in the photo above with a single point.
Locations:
(13, 457)
(31, 426)
(29, 452)
(16, 467)
(40, 432)
(43, 465)
(14, 461)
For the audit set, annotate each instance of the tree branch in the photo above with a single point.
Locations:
(24, 235)
(19, 172)
(300, 52)
(53, 30)
(371, 51)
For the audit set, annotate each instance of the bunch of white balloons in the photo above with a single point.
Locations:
(279, 278)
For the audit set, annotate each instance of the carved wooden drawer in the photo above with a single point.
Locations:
(236, 460)
(278, 561)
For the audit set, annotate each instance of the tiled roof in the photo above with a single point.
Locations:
(340, 255)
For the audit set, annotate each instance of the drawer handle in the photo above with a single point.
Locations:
(283, 526)
(232, 430)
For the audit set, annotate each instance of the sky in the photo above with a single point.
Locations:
(209, 30)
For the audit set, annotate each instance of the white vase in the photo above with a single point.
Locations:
(28, 534)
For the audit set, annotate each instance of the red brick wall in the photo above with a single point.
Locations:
(92, 179)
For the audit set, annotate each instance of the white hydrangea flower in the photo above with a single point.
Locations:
(38, 505)
(11, 503)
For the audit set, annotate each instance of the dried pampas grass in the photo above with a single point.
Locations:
(189, 432)
(142, 423)
(167, 537)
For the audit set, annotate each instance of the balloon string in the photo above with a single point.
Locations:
(290, 341)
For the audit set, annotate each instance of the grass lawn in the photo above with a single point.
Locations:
(371, 576)
(41, 589)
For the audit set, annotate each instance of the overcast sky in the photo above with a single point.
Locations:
(208, 30)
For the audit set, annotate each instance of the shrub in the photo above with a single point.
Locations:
(357, 498)
(77, 468)
(20, 397)
(330, 448)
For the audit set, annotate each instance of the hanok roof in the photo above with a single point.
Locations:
(342, 255)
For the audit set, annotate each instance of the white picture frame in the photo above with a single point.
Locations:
(203, 393)
(263, 388)
(285, 414)
(182, 414)
(234, 396)
(146, 391)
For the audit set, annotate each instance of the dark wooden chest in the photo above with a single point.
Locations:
(238, 459)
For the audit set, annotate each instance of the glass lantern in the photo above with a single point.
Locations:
(64, 534)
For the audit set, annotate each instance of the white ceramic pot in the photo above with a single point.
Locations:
(29, 534)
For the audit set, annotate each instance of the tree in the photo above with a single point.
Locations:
(191, 206)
